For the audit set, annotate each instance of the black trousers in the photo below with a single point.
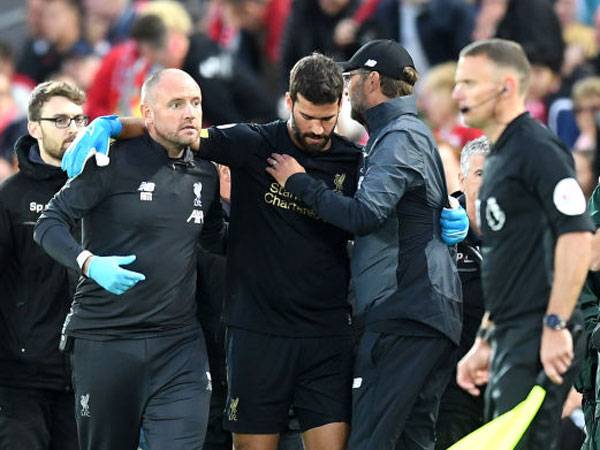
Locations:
(161, 384)
(398, 383)
(514, 370)
(36, 419)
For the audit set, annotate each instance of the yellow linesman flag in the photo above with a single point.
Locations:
(506, 430)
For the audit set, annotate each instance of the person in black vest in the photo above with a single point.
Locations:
(36, 399)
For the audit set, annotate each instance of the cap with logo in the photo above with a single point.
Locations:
(385, 56)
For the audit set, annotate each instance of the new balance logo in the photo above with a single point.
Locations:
(147, 186)
(146, 189)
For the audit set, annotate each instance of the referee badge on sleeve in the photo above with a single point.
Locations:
(568, 197)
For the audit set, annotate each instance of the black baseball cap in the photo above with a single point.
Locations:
(385, 56)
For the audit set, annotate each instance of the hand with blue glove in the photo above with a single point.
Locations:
(94, 140)
(455, 225)
(108, 273)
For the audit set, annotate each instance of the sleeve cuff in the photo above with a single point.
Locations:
(82, 258)
(298, 183)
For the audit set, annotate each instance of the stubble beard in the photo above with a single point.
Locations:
(301, 139)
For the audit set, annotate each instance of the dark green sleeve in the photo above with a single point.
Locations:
(594, 206)
(588, 300)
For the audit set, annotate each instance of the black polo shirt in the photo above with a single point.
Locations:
(529, 197)
(287, 270)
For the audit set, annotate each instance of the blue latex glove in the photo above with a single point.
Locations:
(108, 273)
(455, 225)
(93, 141)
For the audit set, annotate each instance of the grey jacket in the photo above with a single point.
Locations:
(402, 271)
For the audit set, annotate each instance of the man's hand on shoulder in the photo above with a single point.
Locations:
(93, 140)
(281, 167)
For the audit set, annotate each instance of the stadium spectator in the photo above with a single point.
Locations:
(60, 32)
(161, 38)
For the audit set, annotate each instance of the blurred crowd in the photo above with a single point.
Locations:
(240, 52)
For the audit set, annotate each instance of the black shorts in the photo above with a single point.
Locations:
(269, 374)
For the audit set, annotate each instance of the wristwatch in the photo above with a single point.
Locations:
(555, 322)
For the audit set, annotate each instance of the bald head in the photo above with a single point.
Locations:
(163, 81)
(172, 108)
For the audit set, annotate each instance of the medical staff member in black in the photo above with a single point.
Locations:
(36, 399)
(405, 279)
(137, 350)
(536, 238)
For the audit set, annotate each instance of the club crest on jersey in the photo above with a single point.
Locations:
(338, 182)
(198, 194)
(146, 189)
(496, 218)
(232, 413)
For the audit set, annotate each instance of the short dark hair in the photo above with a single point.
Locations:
(45, 91)
(318, 79)
(150, 29)
(391, 88)
(503, 53)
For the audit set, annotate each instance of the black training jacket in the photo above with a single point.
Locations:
(35, 291)
(287, 270)
(142, 204)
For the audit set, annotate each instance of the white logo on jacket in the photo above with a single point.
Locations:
(197, 216)
(146, 189)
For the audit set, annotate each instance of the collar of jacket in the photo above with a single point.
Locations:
(185, 160)
(40, 171)
(379, 116)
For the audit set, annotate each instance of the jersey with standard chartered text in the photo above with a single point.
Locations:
(287, 270)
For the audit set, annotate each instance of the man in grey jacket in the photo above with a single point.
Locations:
(407, 289)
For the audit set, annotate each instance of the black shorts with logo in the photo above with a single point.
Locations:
(268, 374)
